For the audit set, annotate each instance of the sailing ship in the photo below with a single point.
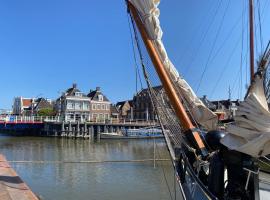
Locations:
(208, 164)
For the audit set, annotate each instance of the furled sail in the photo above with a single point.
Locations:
(250, 134)
(149, 13)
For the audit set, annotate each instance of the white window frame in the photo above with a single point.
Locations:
(100, 97)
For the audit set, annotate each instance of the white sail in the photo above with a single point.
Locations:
(250, 134)
(149, 13)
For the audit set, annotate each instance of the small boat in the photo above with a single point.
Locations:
(111, 136)
(144, 133)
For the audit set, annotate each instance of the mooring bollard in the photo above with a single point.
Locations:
(111, 129)
(98, 133)
(66, 132)
(77, 134)
(73, 132)
(84, 133)
(63, 128)
(89, 133)
(69, 129)
(92, 133)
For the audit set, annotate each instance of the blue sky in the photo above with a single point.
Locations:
(45, 46)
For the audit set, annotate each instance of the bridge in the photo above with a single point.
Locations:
(55, 126)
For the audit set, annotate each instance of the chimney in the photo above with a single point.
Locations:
(98, 89)
(74, 85)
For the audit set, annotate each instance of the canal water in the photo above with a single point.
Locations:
(96, 181)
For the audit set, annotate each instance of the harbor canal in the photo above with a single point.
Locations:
(64, 169)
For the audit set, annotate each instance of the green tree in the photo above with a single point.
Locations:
(46, 112)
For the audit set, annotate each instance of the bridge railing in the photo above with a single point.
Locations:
(21, 119)
(58, 119)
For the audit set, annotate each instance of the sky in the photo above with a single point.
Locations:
(46, 46)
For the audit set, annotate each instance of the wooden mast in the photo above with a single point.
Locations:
(164, 77)
(251, 39)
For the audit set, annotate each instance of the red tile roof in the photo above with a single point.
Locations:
(27, 102)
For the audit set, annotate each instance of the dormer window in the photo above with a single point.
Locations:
(78, 94)
(100, 97)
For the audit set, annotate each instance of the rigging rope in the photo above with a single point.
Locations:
(213, 46)
(260, 24)
(189, 43)
(224, 68)
(137, 71)
(203, 38)
(242, 48)
(151, 94)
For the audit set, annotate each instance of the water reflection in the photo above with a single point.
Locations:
(90, 181)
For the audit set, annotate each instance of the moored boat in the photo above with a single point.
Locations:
(144, 133)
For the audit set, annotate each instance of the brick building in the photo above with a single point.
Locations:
(142, 105)
(125, 109)
(100, 106)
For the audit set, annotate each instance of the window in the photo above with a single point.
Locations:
(69, 105)
(98, 106)
(94, 107)
(107, 107)
(100, 97)
(78, 105)
(78, 94)
(103, 107)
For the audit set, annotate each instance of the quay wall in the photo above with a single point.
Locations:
(86, 130)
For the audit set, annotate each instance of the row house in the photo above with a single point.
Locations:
(143, 108)
(100, 107)
(125, 109)
(74, 105)
(228, 107)
(115, 113)
(30, 106)
(40, 104)
(21, 104)
(224, 109)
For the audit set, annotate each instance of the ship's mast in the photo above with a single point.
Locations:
(166, 81)
(251, 38)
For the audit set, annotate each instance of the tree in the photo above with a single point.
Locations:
(46, 112)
